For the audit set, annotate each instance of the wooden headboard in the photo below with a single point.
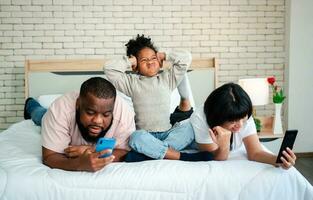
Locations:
(49, 72)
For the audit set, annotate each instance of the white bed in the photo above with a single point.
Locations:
(23, 176)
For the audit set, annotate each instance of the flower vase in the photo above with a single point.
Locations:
(277, 124)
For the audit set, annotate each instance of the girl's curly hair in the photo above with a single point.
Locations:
(135, 45)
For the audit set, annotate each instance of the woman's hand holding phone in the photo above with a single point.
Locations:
(286, 158)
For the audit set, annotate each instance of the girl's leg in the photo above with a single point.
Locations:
(146, 143)
(150, 144)
(184, 92)
(134, 156)
(184, 110)
(180, 135)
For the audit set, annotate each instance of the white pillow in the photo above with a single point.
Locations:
(46, 100)
(128, 100)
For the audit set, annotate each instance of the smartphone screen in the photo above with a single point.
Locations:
(105, 143)
(288, 141)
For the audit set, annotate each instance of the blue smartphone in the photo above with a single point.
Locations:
(105, 143)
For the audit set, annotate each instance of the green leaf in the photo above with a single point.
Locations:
(257, 124)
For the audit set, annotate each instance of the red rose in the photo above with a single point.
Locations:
(271, 80)
(278, 93)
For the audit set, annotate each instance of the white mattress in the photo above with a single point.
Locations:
(23, 176)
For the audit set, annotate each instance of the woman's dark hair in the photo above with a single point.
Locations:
(99, 87)
(135, 45)
(227, 103)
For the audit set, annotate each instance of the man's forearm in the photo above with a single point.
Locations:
(88, 161)
(60, 161)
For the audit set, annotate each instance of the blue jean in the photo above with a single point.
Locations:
(156, 144)
(35, 110)
(38, 114)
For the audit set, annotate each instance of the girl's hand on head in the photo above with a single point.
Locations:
(222, 136)
(133, 60)
(289, 159)
(161, 57)
(213, 136)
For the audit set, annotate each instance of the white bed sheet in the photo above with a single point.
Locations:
(23, 176)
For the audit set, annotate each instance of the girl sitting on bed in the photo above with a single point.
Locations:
(150, 91)
(224, 123)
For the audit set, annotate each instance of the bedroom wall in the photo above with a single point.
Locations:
(247, 36)
(300, 72)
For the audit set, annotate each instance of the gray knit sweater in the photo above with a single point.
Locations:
(151, 96)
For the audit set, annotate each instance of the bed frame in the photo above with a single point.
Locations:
(51, 73)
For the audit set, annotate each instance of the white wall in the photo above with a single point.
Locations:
(246, 36)
(300, 73)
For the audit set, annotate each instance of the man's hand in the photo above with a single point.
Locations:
(133, 61)
(87, 161)
(90, 161)
(75, 151)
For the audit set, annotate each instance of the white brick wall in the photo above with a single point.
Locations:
(247, 36)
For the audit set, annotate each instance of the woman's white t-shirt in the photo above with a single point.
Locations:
(201, 129)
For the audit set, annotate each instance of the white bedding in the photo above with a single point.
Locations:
(23, 176)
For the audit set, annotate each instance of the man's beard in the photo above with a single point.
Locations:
(85, 133)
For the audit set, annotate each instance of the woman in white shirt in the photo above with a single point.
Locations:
(224, 123)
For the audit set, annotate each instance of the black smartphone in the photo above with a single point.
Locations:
(288, 141)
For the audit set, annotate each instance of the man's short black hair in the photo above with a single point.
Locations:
(227, 103)
(135, 45)
(99, 87)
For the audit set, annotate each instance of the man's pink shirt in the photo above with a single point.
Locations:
(59, 128)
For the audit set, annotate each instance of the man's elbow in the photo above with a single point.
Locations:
(46, 160)
(48, 157)
(45, 163)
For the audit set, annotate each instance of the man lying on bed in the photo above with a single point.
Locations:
(74, 123)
